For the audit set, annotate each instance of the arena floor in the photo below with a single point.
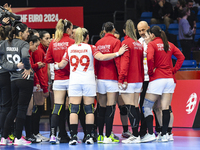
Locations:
(184, 139)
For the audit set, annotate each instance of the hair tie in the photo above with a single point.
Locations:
(160, 30)
(18, 28)
(64, 22)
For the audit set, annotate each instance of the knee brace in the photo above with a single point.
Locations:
(147, 107)
(123, 110)
(57, 108)
(74, 108)
(89, 109)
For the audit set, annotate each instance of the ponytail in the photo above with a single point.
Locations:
(130, 29)
(61, 28)
(79, 36)
(158, 32)
(165, 41)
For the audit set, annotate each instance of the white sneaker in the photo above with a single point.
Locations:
(107, 140)
(21, 141)
(43, 138)
(89, 140)
(53, 139)
(126, 134)
(158, 138)
(170, 137)
(131, 139)
(148, 138)
(6, 141)
(164, 138)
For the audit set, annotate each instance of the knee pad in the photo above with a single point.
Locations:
(21, 112)
(57, 108)
(123, 110)
(74, 108)
(147, 107)
(89, 109)
(170, 109)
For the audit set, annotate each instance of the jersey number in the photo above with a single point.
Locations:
(15, 58)
(75, 64)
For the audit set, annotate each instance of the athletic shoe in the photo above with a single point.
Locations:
(6, 141)
(148, 138)
(74, 140)
(115, 139)
(64, 139)
(107, 140)
(131, 139)
(158, 138)
(164, 138)
(100, 139)
(89, 139)
(170, 137)
(126, 134)
(12, 137)
(43, 138)
(21, 141)
(114, 136)
(33, 139)
(94, 135)
(53, 139)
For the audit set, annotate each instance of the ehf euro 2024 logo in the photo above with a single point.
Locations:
(191, 103)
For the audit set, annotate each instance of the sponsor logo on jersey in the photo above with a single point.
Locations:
(13, 49)
(191, 103)
(104, 48)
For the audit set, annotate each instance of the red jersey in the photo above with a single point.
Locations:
(36, 80)
(39, 56)
(108, 69)
(55, 53)
(159, 62)
(132, 69)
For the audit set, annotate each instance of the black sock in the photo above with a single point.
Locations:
(169, 130)
(109, 116)
(73, 130)
(165, 120)
(89, 128)
(28, 126)
(133, 117)
(81, 117)
(36, 118)
(62, 125)
(101, 119)
(158, 127)
(54, 124)
(149, 121)
(125, 128)
(19, 127)
(67, 118)
(138, 113)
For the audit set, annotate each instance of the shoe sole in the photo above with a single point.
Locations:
(73, 143)
(148, 141)
(52, 142)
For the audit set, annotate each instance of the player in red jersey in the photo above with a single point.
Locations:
(82, 80)
(39, 96)
(55, 53)
(131, 78)
(107, 85)
(159, 54)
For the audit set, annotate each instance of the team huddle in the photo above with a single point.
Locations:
(86, 82)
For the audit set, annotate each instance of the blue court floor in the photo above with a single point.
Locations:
(184, 139)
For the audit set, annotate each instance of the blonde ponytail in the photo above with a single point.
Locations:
(59, 30)
(130, 29)
(79, 36)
